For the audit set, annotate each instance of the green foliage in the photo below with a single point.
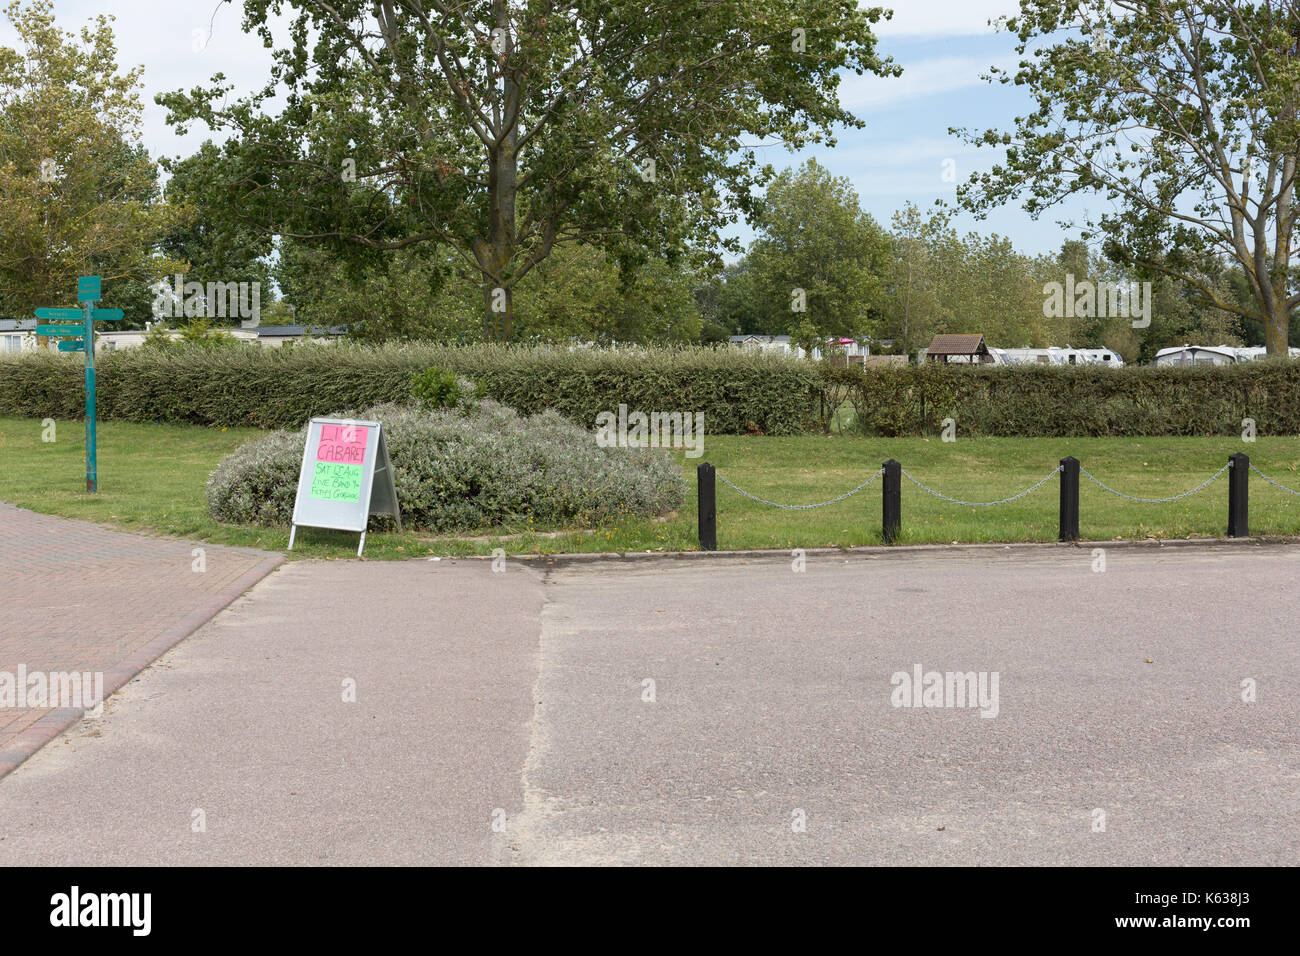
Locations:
(436, 388)
(738, 392)
(394, 124)
(217, 248)
(78, 194)
(1211, 88)
(1058, 401)
(463, 470)
(197, 333)
(813, 236)
(578, 293)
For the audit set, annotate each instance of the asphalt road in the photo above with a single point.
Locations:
(704, 711)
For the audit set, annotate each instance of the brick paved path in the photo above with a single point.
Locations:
(75, 597)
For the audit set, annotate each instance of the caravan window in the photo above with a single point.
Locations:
(13, 343)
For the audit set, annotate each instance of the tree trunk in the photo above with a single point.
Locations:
(497, 253)
(498, 310)
(1276, 328)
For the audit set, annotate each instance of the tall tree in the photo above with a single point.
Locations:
(505, 127)
(817, 255)
(913, 305)
(214, 247)
(78, 193)
(1184, 116)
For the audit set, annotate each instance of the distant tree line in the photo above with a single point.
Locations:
(596, 246)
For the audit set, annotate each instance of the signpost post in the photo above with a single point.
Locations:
(89, 291)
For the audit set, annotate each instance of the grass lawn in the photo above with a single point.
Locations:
(151, 479)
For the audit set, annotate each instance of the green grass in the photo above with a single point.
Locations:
(151, 479)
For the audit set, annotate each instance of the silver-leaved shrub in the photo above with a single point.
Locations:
(466, 469)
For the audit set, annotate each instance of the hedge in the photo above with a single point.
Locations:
(1063, 401)
(738, 392)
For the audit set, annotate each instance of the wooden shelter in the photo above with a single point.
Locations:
(959, 348)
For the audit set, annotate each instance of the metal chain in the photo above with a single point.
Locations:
(985, 504)
(1289, 491)
(820, 504)
(1002, 501)
(1185, 494)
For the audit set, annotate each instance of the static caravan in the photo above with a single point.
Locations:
(1060, 356)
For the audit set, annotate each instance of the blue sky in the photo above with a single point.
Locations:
(943, 46)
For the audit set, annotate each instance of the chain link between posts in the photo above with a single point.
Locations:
(986, 504)
(820, 504)
(1119, 494)
(1002, 501)
(1289, 491)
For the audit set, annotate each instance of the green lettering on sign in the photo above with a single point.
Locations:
(332, 481)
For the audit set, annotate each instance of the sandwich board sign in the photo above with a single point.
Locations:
(345, 478)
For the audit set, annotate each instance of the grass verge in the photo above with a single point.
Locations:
(151, 480)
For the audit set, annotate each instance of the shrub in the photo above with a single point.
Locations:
(198, 333)
(436, 388)
(466, 469)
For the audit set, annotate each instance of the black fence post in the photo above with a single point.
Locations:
(1238, 496)
(1069, 529)
(891, 510)
(708, 506)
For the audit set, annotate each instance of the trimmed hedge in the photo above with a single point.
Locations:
(737, 391)
(1063, 401)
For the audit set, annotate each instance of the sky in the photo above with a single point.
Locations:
(944, 46)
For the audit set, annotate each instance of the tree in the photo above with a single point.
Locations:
(818, 253)
(578, 292)
(504, 128)
(729, 303)
(78, 194)
(213, 247)
(1185, 116)
(400, 297)
(912, 298)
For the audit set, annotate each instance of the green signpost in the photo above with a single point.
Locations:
(89, 291)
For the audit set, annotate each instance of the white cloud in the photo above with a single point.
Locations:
(923, 78)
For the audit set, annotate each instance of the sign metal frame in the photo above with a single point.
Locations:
(377, 493)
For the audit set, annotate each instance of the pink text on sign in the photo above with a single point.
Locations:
(342, 443)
